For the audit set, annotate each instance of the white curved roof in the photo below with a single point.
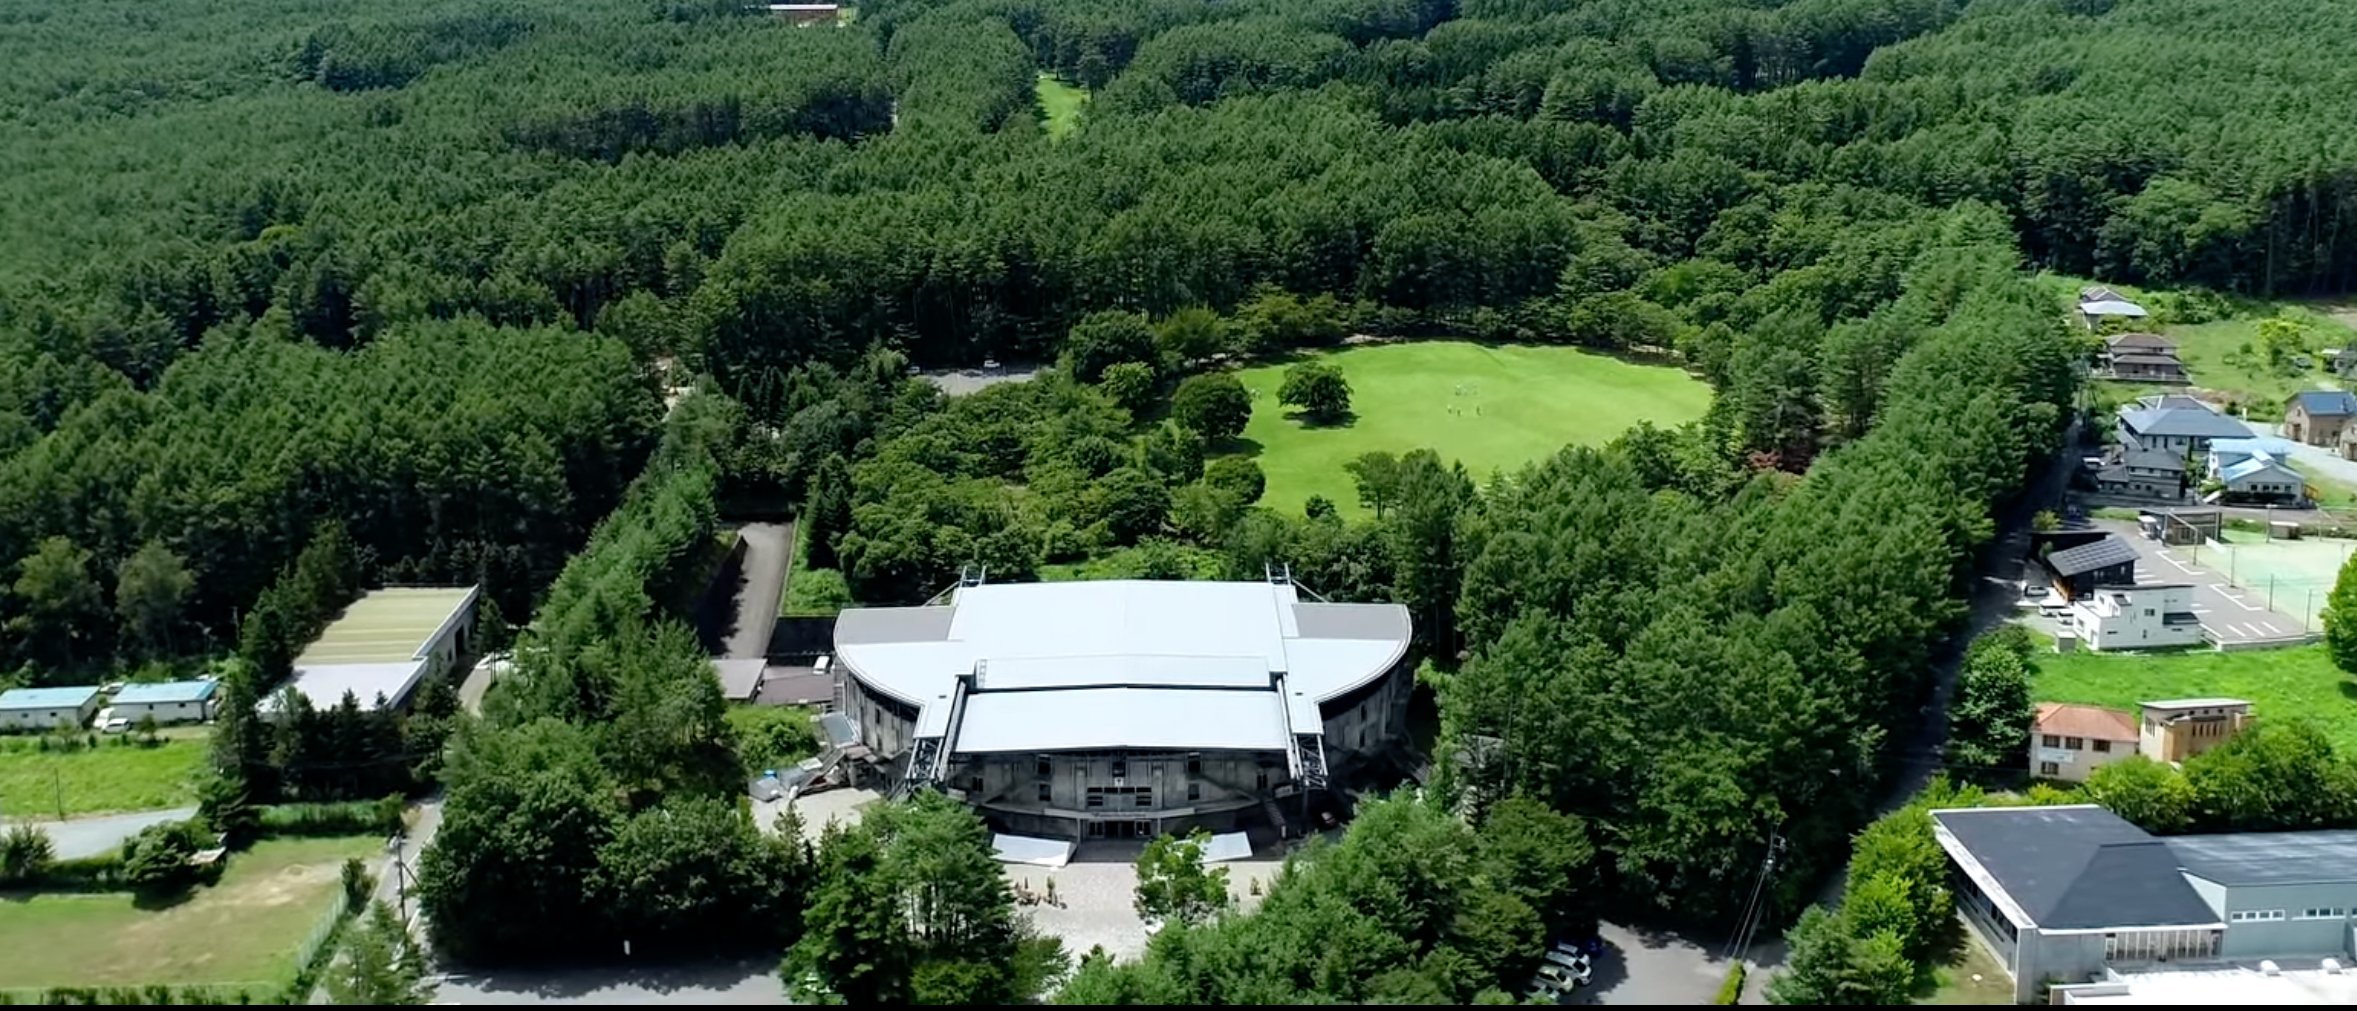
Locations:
(1041, 650)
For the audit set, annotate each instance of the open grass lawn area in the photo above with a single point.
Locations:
(1953, 982)
(1489, 407)
(1061, 104)
(110, 777)
(2205, 347)
(243, 930)
(2284, 683)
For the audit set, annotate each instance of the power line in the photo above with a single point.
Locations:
(1747, 925)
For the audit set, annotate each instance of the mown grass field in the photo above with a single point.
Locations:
(110, 777)
(243, 930)
(1489, 407)
(1060, 104)
(2297, 682)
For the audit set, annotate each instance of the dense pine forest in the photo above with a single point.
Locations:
(423, 275)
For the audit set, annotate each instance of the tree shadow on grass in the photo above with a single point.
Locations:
(1239, 446)
(1306, 420)
(2349, 690)
(152, 902)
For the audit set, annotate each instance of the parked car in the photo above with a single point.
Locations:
(1578, 965)
(116, 725)
(2035, 591)
(1560, 976)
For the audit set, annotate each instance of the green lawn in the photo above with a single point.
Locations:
(2206, 347)
(1490, 407)
(1953, 982)
(110, 777)
(242, 931)
(1060, 103)
(2284, 683)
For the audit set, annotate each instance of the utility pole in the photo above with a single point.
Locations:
(1748, 924)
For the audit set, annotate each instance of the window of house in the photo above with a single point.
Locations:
(2102, 745)
(1194, 791)
(974, 783)
(1120, 768)
(1194, 765)
(2049, 769)
(2148, 612)
(1039, 767)
(1145, 798)
(1045, 793)
(1095, 799)
(2050, 741)
(2074, 743)
(1262, 780)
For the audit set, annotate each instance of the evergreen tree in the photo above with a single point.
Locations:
(151, 588)
(2340, 618)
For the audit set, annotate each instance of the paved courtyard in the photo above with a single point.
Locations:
(1096, 891)
(2230, 615)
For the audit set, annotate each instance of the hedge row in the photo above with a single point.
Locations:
(350, 817)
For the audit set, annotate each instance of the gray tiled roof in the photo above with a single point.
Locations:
(2078, 867)
(2270, 858)
(2198, 423)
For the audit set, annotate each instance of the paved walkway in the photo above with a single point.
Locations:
(76, 838)
(751, 981)
(768, 549)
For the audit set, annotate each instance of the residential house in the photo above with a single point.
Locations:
(2076, 566)
(2069, 742)
(2319, 417)
(2074, 893)
(2174, 730)
(2175, 423)
(2262, 478)
(47, 708)
(2141, 357)
(2144, 473)
(2226, 453)
(168, 702)
(2097, 304)
(2151, 616)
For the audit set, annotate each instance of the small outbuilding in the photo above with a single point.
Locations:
(168, 702)
(2318, 417)
(740, 680)
(47, 708)
(2078, 570)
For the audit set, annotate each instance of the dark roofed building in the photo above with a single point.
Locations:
(2071, 893)
(2077, 571)
(2176, 424)
(2140, 342)
(2144, 473)
(2147, 367)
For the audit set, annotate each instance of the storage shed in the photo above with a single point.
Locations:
(168, 702)
(47, 708)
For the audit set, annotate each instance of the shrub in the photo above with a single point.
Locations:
(351, 817)
(25, 855)
(101, 873)
(357, 884)
(156, 861)
(1731, 989)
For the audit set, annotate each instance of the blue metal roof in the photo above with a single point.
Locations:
(2256, 464)
(47, 698)
(166, 693)
(2327, 403)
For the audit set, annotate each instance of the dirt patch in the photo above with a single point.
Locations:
(291, 885)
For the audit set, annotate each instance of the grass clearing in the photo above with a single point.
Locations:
(1060, 105)
(1490, 407)
(110, 777)
(2294, 682)
(244, 930)
(1953, 982)
(2206, 347)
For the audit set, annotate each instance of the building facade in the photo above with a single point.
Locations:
(1131, 707)
(169, 702)
(2151, 616)
(2069, 742)
(2177, 729)
(47, 708)
(2072, 894)
(2319, 417)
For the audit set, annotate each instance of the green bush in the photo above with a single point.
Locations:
(101, 873)
(1731, 990)
(25, 855)
(351, 817)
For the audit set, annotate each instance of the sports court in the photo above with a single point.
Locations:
(2230, 614)
(2292, 577)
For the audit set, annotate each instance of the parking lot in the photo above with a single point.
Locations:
(2229, 615)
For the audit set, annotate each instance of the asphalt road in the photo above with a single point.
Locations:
(89, 837)
(2318, 458)
(767, 550)
(739, 982)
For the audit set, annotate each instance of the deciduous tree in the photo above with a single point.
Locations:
(1173, 884)
(1319, 390)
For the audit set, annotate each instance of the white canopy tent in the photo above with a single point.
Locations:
(2112, 307)
(1227, 846)
(1023, 849)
